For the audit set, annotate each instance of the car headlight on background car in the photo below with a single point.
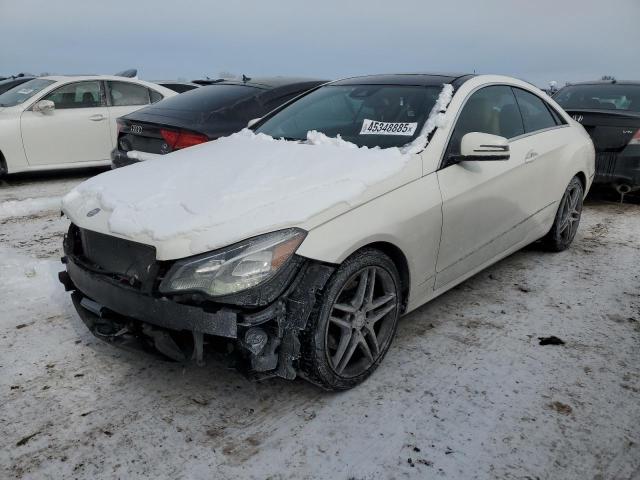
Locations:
(235, 268)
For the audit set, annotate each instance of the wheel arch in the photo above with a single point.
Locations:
(399, 259)
(583, 180)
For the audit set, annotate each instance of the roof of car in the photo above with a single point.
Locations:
(606, 82)
(60, 78)
(418, 79)
(270, 82)
(13, 79)
(181, 82)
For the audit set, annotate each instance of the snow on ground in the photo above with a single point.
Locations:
(465, 392)
(29, 206)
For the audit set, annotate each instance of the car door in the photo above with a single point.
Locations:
(77, 130)
(544, 144)
(482, 205)
(127, 97)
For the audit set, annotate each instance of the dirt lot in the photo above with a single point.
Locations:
(466, 391)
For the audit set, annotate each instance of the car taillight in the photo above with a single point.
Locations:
(177, 139)
(635, 140)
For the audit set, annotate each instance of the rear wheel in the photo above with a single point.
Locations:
(567, 218)
(355, 321)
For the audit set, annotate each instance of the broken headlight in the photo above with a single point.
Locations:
(235, 268)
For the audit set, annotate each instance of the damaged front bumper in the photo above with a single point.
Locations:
(261, 341)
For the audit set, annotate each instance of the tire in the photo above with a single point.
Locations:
(567, 219)
(352, 325)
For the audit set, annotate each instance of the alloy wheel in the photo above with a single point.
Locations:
(571, 210)
(361, 321)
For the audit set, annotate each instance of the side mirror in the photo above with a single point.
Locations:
(483, 147)
(44, 106)
(253, 121)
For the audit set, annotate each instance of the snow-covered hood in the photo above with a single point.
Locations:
(212, 195)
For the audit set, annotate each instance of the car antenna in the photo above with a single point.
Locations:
(245, 79)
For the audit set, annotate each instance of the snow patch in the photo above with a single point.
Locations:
(235, 187)
(318, 138)
(29, 207)
(435, 120)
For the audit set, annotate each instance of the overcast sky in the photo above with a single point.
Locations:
(538, 40)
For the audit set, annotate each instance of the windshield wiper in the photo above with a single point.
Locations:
(291, 139)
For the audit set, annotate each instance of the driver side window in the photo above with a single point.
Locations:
(77, 95)
(491, 110)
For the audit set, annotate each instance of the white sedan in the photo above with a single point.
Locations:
(295, 247)
(58, 122)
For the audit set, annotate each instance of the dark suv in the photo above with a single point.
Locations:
(201, 115)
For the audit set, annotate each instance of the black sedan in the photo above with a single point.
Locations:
(201, 115)
(610, 112)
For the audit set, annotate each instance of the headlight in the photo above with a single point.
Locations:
(234, 268)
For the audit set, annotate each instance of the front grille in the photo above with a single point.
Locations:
(606, 163)
(131, 261)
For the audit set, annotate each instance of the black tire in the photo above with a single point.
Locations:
(330, 322)
(567, 219)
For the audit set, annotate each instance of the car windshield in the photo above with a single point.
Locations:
(23, 92)
(600, 97)
(368, 115)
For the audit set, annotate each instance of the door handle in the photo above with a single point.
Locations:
(531, 155)
(97, 117)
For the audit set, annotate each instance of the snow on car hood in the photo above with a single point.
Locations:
(215, 194)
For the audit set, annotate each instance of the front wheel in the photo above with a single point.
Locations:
(567, 218)
(352, 327)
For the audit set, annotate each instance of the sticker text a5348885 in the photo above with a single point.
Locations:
(372, 127)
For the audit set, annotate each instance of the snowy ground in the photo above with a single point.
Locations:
(465, 392)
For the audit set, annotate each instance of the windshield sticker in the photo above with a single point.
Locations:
(371, 127)
(25, 91)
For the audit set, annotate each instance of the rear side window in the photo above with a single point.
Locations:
(557, 117)
(155, 96)
(535, 113)
(125, 93)
(179, 87)
(489, 110)
(77, 95)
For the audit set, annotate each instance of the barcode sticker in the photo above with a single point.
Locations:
(372, 127)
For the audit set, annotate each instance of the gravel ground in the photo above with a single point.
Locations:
(465, 392)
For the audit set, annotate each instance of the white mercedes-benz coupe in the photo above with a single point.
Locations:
(59, 122)
(294, 247)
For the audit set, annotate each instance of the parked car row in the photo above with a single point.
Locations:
(609, 110)
(201, 115)
(295, 246)
(57, 122)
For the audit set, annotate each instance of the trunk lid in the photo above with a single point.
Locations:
(610, 130)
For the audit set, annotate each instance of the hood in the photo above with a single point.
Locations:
(212, 195)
